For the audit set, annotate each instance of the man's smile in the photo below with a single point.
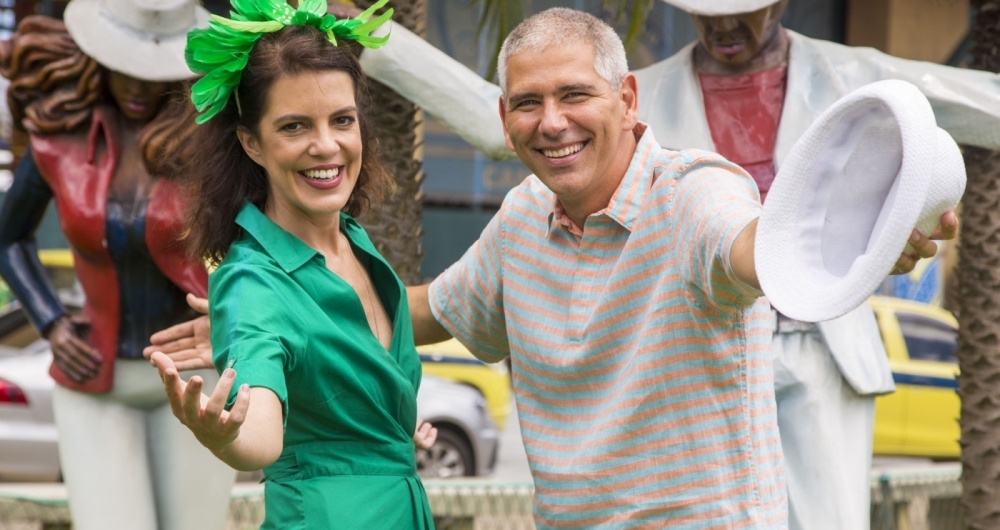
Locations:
(562, 152)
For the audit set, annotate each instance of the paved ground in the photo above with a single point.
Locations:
(512, 462)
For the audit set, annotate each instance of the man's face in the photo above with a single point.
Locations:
(564, 121)
(736, 39)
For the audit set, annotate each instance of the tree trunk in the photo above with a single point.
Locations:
(395, 228)
(979, 305)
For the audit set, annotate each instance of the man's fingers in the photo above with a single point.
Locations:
(173, 333)
(904, 265)
(948, 229)
(198, 304)
(923, 245)
(217, 402)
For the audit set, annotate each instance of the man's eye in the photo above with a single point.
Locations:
(525, 103)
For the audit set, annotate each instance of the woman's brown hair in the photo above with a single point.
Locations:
(224, 178)
(54, 88)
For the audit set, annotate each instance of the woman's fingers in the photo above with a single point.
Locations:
(238, 413)
(191, 400)
(217, 402)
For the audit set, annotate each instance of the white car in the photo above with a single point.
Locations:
(466, 445)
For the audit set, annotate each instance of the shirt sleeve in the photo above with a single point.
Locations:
(467, 299)
(254, 329)
(714, 201)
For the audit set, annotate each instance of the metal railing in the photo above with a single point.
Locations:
(917, 499)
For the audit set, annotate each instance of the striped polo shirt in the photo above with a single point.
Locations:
(641, 364)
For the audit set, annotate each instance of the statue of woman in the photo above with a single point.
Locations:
(103, 99)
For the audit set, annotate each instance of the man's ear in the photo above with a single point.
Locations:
(503, 120)
(629, 94)
(250, 145)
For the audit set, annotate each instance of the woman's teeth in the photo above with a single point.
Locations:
(321, 174)
(565, 151)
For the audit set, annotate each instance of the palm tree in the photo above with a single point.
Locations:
(979, 305)
(395, 228)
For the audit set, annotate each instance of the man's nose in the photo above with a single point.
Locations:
(553, 120)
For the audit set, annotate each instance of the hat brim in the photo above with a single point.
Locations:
(869, 170)
(720, 7)
(126, 50)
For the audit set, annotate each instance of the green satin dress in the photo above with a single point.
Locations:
(284, 322)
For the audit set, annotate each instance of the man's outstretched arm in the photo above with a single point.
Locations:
(741, 256)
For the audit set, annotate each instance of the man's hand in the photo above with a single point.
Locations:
(206, 416)
(425, 436)
(924, 246)
(188, 344)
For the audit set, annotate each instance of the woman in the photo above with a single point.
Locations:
(104, 106)
(310, 326)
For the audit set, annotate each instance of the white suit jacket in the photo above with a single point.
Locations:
(966, 103)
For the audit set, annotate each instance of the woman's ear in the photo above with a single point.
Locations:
(250, 145)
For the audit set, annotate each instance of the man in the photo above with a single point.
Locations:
(620, 280)
(748, 89)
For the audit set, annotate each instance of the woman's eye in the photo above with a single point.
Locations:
(292, 127)
(344, 120)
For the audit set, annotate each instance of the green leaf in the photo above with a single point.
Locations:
(497, 18)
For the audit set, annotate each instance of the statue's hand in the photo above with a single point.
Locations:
(77, 359)
(188, 344)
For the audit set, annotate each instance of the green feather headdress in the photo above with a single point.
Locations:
(221, 52)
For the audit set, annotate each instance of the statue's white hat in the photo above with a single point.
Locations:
(869, 170)
(720, 7)
(143, 39)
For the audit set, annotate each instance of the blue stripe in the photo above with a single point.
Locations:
(924, 380)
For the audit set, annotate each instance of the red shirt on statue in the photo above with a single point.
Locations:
(743, 113)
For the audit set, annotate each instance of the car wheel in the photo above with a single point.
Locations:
(450, 456)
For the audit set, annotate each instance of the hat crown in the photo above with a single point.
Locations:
(154, 18)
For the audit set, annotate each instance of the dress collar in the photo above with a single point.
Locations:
(289, 251)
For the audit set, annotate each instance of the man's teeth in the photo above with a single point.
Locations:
(565, 151)
(322, 174)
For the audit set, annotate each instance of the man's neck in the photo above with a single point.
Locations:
(772, 55)
(597, 198)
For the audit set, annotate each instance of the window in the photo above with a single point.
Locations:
(928, 339)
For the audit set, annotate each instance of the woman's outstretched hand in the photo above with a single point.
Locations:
(213, 426)
(188, 344)
(425, 436)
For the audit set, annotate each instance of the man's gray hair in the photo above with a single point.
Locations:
(560, 24)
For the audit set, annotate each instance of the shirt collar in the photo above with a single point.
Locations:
(289, 251)
(624, 206)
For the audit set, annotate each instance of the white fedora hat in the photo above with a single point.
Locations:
(869, 170)
(714, 8)
(143, 39)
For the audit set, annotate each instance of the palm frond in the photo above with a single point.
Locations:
(497, 18)
(640, 10)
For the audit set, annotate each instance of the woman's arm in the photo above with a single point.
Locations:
(247, 437)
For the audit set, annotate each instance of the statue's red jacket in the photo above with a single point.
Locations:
(79, 171)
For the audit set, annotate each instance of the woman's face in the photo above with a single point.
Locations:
(139, 100)
(309, 143)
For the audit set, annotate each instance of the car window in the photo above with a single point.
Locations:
(928, 339)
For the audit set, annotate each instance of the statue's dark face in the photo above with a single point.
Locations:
(138, 100)
(736, 39)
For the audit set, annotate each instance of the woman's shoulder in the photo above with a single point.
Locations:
(245, 266)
